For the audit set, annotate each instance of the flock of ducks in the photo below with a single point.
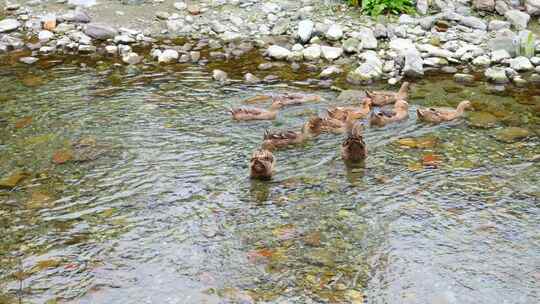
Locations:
(338, 120)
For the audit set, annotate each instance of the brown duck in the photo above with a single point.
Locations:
(384, 117)
(262, 164)
(381, 98)
(341, 113)
(256, 113)
(354, 148)
(438, 115)
(281, 139)
(332, 125)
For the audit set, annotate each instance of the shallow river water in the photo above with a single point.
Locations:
(134, 189)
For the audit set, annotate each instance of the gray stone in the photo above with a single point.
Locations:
(305, 30)
(496, 75)
(473, 22)
(367, 38)
(250, 78)
(400, 44)
(504, 40)
(435, 51)
(532, 7)
(313, 52)
(217, 27)
(219, 75)
(351, 45)
(100, 31)
(422, 6)
(281, 27)
(278, 52)
(484, 5)
(229, 36)
(482, 61)
(518, 19)
(180, 6)
(535, 60)
(8, 25)
(330, 71)
(368, 71)
(520, 64)
(111, 49)
(499, 56)
(463, 78)
(414, 66)
(168, 56)
(495, 25)
(434, 62)
(406, 19)
(44, 36)
(295, 56)
(427, 22)
(124, 39)
(87, 48)
(334, 32)
(131, 58)
(331, 53)
(28, 60)
(380, 31)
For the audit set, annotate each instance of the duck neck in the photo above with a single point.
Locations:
(460, 109)
(403, 89)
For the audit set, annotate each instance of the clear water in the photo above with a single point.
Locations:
(158, 208)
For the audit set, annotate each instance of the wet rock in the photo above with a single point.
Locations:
(168, 56)
(518, 19)
(330, 71)
(435, 51)
(331, 53)
(281, 27)
(368, 71)
(350, 96)
(367, 37)
(535, 60)
(482, 120)
(305, 30)
(496, 75)
(464, 78)
(271, 79)
(532, 7)
(111, 49)
(131, 58)
(520, 64)
(504, 40)
(86, 48)
(414, 65)
(219, 75)
(380, 31)
(499, 56)
(512, 134)
(124, 39)
(334, 32)
(100, 31)
(481, 61)
(62, 156)
(495, 25)
(44, 36)
(278, 52)
(229, 37)
(250, 78)
(8, 25)
(484, 5)
(295, 56)
(313, 52)
(265, 66)
(28, 60)
(473, 22)
(12, 179)
(351, 45)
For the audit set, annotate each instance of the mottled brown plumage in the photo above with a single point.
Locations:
(262, 164)
(382, 118)
(354, 148)
(281, 139)
(256, 113)
(381, 98)
(438, 115)
(356, 112)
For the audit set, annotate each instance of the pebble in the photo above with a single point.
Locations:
(219, 75)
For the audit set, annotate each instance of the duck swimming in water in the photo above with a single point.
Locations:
(381, 98)
(245, 114)
(262, 164)
(354, 148)
(384, 117)
(341, 113)
(438, 115)
(281, 139)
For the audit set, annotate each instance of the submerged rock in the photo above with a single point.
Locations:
(368, 71)
(521, 64)
(496, 75)
(482, 120)
(12, 180)
(331, 53)
(278, 52)
(100, 31)
(512, 134)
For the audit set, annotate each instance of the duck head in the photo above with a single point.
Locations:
(262, 164)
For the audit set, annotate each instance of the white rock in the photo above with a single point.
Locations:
(368, 71)
(131, 58)
(230, 36)
(535, 60)
(499, 55)
(111, 49)
(481, 61)
(435, 51)
(278, 52)
(297, 47)
(533, 7)
(305, 30)
(28, 60)
(334, 32)
(44, 36)
(313, 52)
(496, 75)
(180, 6)
(331, 53)
(219, 75)
(399, 44)
(521, 64)
(168, 56)
(518, 19)
(367, 37)
(414, 65)
(270, 7)
(330, 71)
(8, 25)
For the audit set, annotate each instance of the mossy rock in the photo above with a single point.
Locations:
(512, 134)
(482, 120)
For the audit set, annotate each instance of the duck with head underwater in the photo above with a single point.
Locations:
(384, 117)
(438, 115)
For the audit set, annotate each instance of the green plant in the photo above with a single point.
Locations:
(377, 7)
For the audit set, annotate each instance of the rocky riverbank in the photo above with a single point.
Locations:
(494, 38)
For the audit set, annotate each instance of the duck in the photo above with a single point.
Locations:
(381, 98)
(262, 164)
(336, 126)
(281, 139)
(292, 99)
(441, 114)
(256, 113)
(341, 113)
(354, 148)
(384, 117)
